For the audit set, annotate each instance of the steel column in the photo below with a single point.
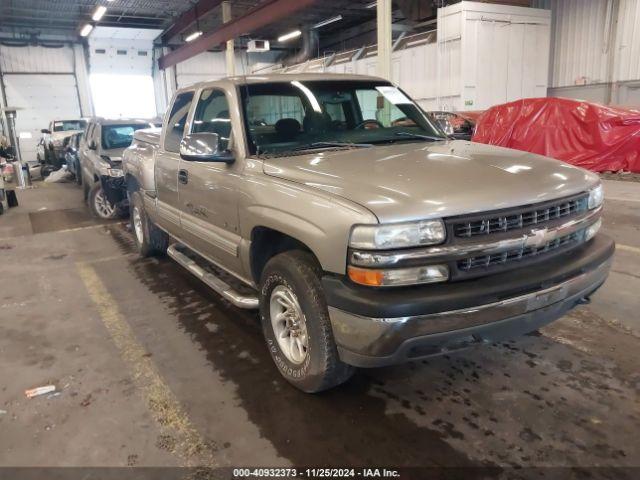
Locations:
(230, 53)
(384, 38)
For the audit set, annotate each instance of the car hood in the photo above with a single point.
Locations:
(63, 135)
(412, 181)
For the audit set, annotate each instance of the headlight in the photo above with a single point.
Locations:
(399, 235)
(115, 172)
(57, 143)
(398, 277)
(596, 197)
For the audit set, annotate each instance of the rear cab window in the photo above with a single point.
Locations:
(177, 121)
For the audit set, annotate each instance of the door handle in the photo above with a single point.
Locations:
(183, 177)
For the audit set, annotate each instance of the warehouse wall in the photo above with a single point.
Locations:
(595, 50)
(44, 84)
(482, 55)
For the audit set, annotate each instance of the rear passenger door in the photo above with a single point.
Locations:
(167, 162)
(208, 190)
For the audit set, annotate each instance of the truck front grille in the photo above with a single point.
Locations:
(510, 256)
(520, 218)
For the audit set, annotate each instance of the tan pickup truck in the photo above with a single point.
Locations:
(364, 235)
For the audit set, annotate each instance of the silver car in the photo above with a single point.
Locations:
(100, 155)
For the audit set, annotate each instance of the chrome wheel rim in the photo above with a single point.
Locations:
(103, 207)
(137, 225)
(289, 324)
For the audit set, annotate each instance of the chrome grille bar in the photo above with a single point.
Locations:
(527, 218)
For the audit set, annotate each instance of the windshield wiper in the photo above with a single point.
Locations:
(420, 137)
(317, 145)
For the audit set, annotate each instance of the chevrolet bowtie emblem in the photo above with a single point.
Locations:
(539, 237)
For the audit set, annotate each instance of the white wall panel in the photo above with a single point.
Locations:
(581, 53)
(32, 59)
(41, 98)
(628, 41)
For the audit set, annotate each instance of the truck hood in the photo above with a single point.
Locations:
(63, 135)
(411, 181)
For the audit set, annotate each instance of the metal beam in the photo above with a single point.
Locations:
(266, 13)
(189, 17)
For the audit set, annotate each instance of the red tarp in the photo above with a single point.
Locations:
(584, 134)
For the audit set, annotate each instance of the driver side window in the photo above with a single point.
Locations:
(212, 116)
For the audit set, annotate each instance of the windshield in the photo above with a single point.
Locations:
(120, 136)
(281, 117)
(69, 125)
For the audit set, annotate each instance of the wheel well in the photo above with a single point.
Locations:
(266, 243)
(132, 183)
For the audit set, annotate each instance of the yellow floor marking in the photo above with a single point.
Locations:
(628, 248)
(185, 441)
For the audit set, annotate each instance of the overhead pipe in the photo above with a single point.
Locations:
(310, 43)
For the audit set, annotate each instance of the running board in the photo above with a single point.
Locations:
(248, 302)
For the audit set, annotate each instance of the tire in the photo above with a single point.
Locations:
(78, 173)
(86, 186)
(45, 170)
(150, 240)
(12, 199)
(99, 205)
(294, 277)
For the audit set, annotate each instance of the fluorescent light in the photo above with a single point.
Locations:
(290, 36)
(86, 30)
(372, 5)
(193, 36)
(99, 13)
(328, 21)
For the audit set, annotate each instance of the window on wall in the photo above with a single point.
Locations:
(123, 96)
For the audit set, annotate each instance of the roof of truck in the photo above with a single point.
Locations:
(124, 121)
(281, 77)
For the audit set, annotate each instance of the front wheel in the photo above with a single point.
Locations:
(296, 324)
(99, 205)
(150, 240)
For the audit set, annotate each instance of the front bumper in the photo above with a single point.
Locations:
(436, 319)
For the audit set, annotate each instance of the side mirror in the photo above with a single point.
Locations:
(45, 131)
(92, 145)
(204, 147)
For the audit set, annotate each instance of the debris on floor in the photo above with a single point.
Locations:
(36, 392)
(59, 176)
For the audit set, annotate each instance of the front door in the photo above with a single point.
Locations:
(208, 198)
(167, 163)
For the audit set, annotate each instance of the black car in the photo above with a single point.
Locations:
(71, 156)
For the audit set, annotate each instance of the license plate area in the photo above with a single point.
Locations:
(549, 297)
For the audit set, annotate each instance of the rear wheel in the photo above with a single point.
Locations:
(100, 205)
(78, 173)
(296, 324)
(150, 240)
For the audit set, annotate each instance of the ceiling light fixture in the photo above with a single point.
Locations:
(193, 36)
(371, 5)
(290, 36)
(99, 13)
(86, 30)
(328, 21)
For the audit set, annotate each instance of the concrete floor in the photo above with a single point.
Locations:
(155, 370)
